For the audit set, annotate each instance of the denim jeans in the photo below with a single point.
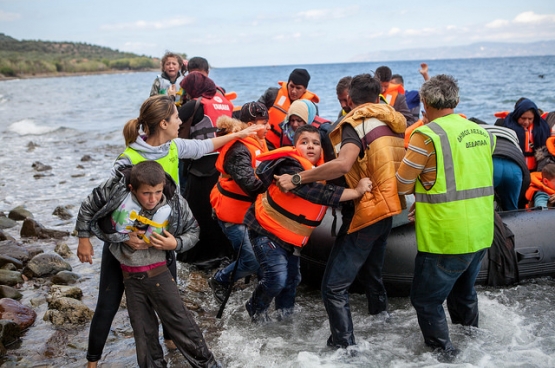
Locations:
(362, 253)
(445, 276)
(281, 274)
(247, 263)
(507, 180)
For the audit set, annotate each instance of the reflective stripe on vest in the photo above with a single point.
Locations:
(170, 162)
(455, 216)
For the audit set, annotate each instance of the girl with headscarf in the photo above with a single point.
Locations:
(531, 129)
(301, 112)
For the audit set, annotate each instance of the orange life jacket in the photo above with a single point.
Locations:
(213, 108)
(278, 112)
(536, 185)
(286, 215)
(410, 129)
(228, 200)
(391, 93)
(501, 114)
(550, 144)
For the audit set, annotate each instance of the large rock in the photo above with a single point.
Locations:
(20, 213)
(32, 229)
(12, 249)
(10, 278)
(65, 278)
(63, 311)
(59, 291)
(5, 259)
(10, 292)
(6, 222)
(13, 310)
(63, 250)
(45, 264)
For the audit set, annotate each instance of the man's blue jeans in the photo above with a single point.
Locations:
(281, 274)
(362, 253)
(247, 263)
(438, 277)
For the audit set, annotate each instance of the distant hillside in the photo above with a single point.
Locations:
(29, 57)
(475, 50)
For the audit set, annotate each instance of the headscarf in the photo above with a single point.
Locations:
(198, 85)
(541, 130)
(304, 109)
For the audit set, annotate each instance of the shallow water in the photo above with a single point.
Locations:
(57, 121)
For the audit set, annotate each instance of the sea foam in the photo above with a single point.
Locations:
(28, 127)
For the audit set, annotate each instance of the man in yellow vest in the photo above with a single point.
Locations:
(369, 141)
(449, 167)
(278, 100)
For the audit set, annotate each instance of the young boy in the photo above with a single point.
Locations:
(144, 199)
(280, 223)
(168, 82)
(541, 192)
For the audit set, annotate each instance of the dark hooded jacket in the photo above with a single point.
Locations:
(541, 129)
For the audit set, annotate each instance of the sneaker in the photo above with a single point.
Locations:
(219, 289)
(447, 356)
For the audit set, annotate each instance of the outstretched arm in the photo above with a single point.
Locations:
(424, 71)
(247, 132)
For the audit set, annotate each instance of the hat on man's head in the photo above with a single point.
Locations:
(299, 76)
(251, 111)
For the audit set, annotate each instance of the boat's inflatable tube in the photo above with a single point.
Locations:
(534, 248)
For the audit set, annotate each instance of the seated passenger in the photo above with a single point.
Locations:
(542, 187)
(532, 131)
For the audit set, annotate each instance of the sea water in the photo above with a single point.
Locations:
(74, 125)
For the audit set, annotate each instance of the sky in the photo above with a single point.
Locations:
(253, 33)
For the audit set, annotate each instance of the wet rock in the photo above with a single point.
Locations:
(9, 292)
(63, 291)
(6, 222)
(45, 264)
(38, 301)
(80, 167)
(77, 175)
(4, 236)
(32, 229)
(63, 250)
(63, 311)
(39, 166)
(13, 310)
(5, 259)
(10, 278)
(65, 278)
(86, 158)
(9, 267)
(62, 213)
(31, 146)
(20, 213)
(3, 350)
(13, 249)
(9, 331)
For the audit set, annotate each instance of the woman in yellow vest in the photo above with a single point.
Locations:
(151, 136)
(235, 191)
(280, 223)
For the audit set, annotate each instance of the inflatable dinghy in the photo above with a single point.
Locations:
(533, 253)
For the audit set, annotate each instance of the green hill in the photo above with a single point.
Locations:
(30, 57)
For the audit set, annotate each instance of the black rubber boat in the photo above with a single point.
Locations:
(534, 250)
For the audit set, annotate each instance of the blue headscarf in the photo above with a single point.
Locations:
(541, 129)
(306, 112)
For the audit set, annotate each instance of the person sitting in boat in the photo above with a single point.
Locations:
(278, 100)
(280, 223)
(235, 191)
(302, 112)
(541, 192)
(201, 65)
(511, 177)
(167, 83)
(342, 91)
(144, 198)
(394, 94)
(531, 129)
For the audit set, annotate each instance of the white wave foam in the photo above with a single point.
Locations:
(28, 127)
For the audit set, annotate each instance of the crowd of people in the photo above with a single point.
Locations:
(257, 179)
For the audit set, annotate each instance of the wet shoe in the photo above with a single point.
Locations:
(257, 317)
(219, 289)
(447, 356)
